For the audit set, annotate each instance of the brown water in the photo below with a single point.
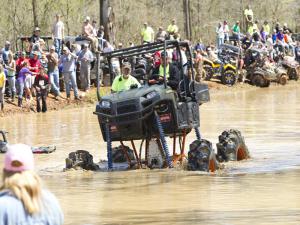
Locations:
(263, 190)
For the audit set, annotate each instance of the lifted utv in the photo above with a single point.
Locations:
(151, 111)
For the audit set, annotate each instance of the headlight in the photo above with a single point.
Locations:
(151, 94)
(105, 104)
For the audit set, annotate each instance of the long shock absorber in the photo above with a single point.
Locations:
(109, 148)
(163, 140)
(197, 131)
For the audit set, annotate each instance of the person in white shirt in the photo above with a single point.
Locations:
(58, 34)
(226, 31)
(220, 35)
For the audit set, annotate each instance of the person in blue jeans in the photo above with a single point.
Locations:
(23, 200)
(68, 62)
(58, 34)
(53, 71)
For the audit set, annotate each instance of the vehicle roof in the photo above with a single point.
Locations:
(24, 38)
(144, 49)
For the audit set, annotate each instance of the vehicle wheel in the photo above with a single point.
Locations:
(259, 81)
(208, 72)
(228, 77)
(201, 156)
(231, 146)
(283, 79)
(119, 156)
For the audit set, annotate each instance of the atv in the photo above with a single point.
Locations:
(224, 69)
(292, 67)
(261, 73)
(152, 112)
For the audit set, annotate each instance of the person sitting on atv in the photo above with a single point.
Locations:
(212, 55)
(247, 41)
(125, 81)
(172, 73)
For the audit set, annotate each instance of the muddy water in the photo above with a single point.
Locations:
(263, 190)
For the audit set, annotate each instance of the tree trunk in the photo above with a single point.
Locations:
(107, 19)
(34, 12)
(187, 18)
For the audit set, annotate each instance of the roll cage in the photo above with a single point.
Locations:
(151, 48)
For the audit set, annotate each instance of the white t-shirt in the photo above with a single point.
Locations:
(58, 28)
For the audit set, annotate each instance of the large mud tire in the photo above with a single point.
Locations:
(201, 157)
(259, 81)
(231, 146)
(283, 79)
(118, 155)
(228, 78)
(209, 72)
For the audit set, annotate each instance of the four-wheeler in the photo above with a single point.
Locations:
(259, 72)
(224, 69)
(291, 66)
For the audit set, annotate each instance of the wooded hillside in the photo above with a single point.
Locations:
(18, 17)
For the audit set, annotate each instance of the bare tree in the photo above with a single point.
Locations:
(34, 12)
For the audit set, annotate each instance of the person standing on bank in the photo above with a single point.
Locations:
(22, 198)
(58, 34)
(11, 72)
(41, 85)
(53, 71)
(68, 62)
(2, 87)
(85, 58)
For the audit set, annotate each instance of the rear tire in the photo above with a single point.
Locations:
(231, 146)
(283, 79)
(259, 81)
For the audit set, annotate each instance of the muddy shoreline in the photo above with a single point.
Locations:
(88, 99)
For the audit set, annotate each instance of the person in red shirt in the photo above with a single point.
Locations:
(34, 66)
(20, 61)
(41, 85)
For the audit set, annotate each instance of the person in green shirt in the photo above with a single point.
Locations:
(236, 31)
(147, 34)
(125, 81)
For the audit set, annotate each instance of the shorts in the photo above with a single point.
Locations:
(29, 81)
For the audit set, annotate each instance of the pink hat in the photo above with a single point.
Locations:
(18, 158)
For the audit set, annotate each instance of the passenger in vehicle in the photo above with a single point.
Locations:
(172, 73)
(125, 81)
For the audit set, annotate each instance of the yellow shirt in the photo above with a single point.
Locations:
(267, 28)
(2, 79)
(161, 71)
(248, 12)
(172, 28)
(147, 34)
(121, 84)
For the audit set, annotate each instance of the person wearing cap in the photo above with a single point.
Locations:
(58, 33)
(172, 72)
(125, 81)
(23, 200)
(53, 72)
(36, 36)
(88, 33)
(172, 29)
(160, 35)
(34, 66)
(41, 85)
(2, 87)
(68, 62)
(147, 34)
(85, 57)
(247, 41)
(5, 51)
(19, 62)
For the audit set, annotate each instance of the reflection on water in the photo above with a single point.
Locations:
(262, 190)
